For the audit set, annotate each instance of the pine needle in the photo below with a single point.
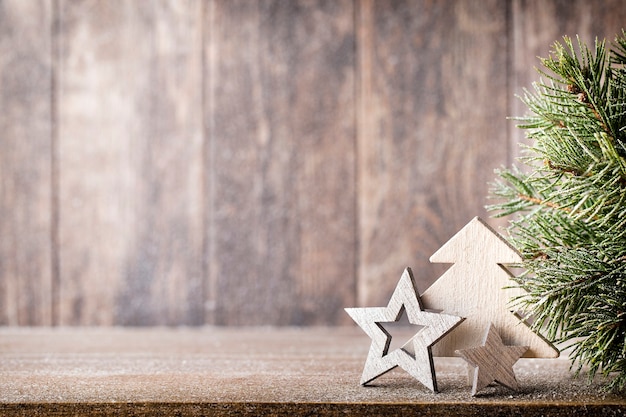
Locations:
(569, 205)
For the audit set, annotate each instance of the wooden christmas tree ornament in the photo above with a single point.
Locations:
(418, 362)
(480, 289)
(493, 361)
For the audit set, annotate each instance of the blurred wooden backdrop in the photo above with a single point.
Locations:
(251, 162)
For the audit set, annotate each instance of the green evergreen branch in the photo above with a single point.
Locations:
(570, 205)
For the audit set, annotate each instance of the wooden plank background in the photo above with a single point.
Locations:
(26, 141)
(252, 162)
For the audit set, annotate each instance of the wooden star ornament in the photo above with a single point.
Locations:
(418, 360)
(493, 361)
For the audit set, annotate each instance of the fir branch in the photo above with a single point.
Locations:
(570, 205)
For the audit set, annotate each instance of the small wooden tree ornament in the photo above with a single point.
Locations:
(419, 361)
(493, 361)
(479, 288)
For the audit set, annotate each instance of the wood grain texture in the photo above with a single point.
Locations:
(281, 161)
(26, 210)
(478, 288)
(493, 361)
(432, 111)
(252, 162)
(537, 24)
(130, 162)
(257, 372)
(418, 361)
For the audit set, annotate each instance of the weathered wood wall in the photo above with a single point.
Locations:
(251, 162)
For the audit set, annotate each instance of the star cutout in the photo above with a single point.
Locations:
(493, 361)
(417, 361)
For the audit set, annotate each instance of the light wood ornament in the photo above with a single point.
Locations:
(493, 361)
(419, 361)
(477, 287)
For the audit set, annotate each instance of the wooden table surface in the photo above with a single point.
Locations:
(259, 371)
